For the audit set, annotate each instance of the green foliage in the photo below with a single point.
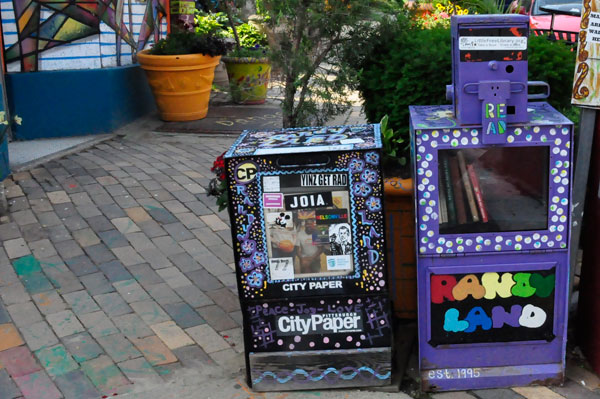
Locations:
(553, 62)
(211, 24)
(306, 39)
(402, 65)
(250, 36)
(392, 147)
(187, 42)
(486, 6)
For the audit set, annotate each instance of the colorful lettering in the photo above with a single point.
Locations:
(522, 287)
(363, 218)
(494, 286)
(373, 256)
(500, 316)
(451, 322)
(489, 111)
(543, 285)
(478, 318)
(532, 317)
(468, 285)
(441, 288)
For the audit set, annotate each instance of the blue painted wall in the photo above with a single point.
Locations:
(77, 102)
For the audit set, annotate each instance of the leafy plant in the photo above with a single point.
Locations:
(187, 42)
(402, 64)
(211, 24)
(250, 36)
(306, 39)
(393, 146)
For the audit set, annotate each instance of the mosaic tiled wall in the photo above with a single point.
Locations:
(43, 35)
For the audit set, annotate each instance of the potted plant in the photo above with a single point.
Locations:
(400, 222)
(248, 65)
(214, 23)
(180, 70)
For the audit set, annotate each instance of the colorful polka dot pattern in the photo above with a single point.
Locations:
(427, 142)
(366, 200)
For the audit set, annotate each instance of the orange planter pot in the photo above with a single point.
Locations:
(181, 84)
(400, 242)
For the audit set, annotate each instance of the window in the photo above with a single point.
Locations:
(493, 189)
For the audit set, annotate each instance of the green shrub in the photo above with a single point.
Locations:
(554, 62)
(403, 65)
(250, 36)
(187, 42)
(211, 24)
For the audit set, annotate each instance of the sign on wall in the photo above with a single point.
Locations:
(586, 83)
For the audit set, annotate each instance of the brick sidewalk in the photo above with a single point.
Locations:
(117, 277)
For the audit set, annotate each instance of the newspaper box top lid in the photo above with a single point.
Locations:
(306, 139)
(442, 116)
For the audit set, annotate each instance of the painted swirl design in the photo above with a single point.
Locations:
(579, 91)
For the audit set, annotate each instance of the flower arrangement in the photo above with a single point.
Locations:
(218, 185)
(440, 15)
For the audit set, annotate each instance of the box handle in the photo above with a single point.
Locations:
(303, 161)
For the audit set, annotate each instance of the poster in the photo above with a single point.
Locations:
(307, 224)
(586, 83)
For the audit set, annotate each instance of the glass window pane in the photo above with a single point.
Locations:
(493, 189)
(309, 233)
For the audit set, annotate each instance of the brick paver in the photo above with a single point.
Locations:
(115, 268)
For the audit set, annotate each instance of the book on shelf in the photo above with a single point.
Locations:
(478, 193)
(468, 187)
(457, 184)
(442, 207)
(446, 180)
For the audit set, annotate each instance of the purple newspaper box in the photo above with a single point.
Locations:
(489, 65)
(493, 217)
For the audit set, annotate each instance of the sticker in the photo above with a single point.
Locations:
(594, 34)
(246, 172)
(312, 200)
(323, 179)
(281, 268)
(492, 43)
(352, 141)
(271, 184)
(340, 240)
(273, 200)
(339, 262)
(331, 216)
(282, 219)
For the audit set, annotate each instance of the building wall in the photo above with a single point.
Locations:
(42, 35)
(80, 53)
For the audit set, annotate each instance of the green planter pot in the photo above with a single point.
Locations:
(248, 79)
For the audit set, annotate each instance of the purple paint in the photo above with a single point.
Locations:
(493, 180)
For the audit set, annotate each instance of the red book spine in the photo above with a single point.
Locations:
(478, 193)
